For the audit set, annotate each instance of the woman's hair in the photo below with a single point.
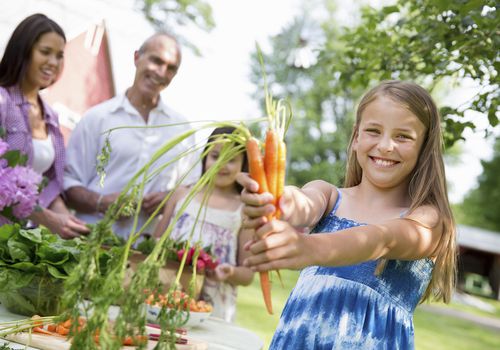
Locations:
(17, 54)
(224, 130)
(427, 185)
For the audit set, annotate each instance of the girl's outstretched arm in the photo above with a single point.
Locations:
(300, 207)
(168, 211)
(414, 237)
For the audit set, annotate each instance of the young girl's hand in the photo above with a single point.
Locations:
(151, 201)
(223, 272)
(258, 207)
(280, 246)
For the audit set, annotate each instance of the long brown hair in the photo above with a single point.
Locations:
(428, 182)
(17, 54)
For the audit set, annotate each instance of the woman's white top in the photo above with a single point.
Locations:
(43, 154)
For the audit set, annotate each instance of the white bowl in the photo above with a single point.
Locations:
(195, 318)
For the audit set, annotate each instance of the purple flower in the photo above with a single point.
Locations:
(7, 188)
(18, 187)
(27, 181)
(4, 146)
(19, 190)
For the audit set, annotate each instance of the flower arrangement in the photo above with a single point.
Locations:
(19, 186)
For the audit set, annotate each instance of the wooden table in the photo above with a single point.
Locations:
(219, 335)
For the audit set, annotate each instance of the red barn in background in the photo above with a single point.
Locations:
(87, 78)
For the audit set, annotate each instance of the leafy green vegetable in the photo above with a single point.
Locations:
(33, 264)
(34, 235)
(25, 251)
(41, 296)
(147, 245)
(53, 254)
(12, 279)
(18, 249)
(5, 232)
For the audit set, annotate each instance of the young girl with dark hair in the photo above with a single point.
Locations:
(219, 226)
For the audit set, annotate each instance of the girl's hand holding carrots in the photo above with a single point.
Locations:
(268, 167)
(279, 245)
(259, 206)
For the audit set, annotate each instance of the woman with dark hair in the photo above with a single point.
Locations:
(33, 60)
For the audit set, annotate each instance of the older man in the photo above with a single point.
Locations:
(156, 62)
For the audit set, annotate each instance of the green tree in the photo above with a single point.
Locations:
(168, 15)
(481, 206)
(434, 42)
(322, 120)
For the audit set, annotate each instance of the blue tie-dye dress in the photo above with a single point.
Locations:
(351, 308)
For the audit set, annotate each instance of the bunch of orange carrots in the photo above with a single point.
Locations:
(269, 172)
(268, 169)
(62, 329)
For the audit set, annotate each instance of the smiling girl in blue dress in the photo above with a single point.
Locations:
(380, 245)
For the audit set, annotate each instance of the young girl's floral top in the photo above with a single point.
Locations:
(350, 307)
(217, 228)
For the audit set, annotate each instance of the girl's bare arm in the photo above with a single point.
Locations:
(301, 207)
(414, 237)
(309, 204)
(411, 238)
(168, 211)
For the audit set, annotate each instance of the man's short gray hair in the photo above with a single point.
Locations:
(146, 42)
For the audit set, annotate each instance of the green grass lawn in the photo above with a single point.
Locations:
(251, 311)
(474, 310)
(432, 332)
